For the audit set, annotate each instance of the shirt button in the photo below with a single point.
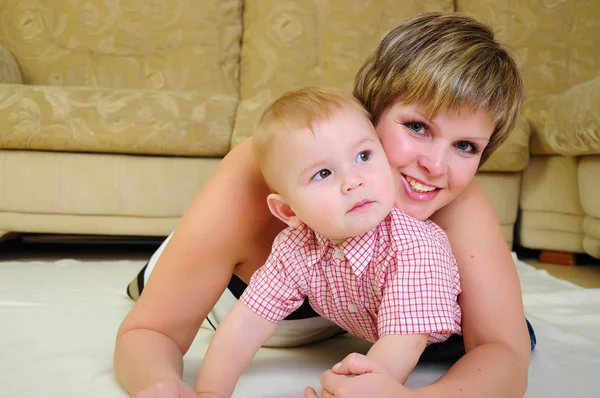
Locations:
(352, 308)
(338, 253)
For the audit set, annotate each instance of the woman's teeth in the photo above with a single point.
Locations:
(417, 186)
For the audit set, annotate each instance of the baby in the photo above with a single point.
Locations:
(379, 274)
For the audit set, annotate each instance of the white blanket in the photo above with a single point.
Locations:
(58, 322)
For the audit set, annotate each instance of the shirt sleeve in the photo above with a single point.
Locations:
(422, 296)
(273, 292)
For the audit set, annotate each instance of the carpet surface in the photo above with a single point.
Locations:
(58, 321)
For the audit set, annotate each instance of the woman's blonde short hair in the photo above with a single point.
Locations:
(296, 109)
(443, 61)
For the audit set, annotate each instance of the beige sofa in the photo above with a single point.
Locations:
(558, 51)
(113, 115)
(560, 199)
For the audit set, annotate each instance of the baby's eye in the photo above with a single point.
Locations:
(416, 127)
(322, 174)
(363, 156)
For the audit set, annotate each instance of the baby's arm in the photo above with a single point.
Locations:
(274, 295)
(231, 350)
(420, 301)
(399, 353)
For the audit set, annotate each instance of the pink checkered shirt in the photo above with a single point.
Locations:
(399, 278)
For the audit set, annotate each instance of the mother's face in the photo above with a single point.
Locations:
(434, 158)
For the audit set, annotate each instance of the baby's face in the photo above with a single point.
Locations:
(337, 181)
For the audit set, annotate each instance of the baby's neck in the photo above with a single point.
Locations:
(337, 241)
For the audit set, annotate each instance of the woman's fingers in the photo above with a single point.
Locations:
(337, 379)
(310, 392)
(357, 364)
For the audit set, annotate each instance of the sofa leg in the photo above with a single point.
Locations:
(561, 258)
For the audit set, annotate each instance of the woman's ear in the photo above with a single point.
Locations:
(282, 210)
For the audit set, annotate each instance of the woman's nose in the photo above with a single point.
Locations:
(434, 163)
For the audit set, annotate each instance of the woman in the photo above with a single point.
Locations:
(443, 95)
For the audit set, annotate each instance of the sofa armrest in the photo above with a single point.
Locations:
(9, 69)
(91, 119)
(569, 123)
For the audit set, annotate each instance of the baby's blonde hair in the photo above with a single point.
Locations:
(297, 109)
(443, 61)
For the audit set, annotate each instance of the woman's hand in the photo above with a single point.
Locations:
(356, 377)
(168, 389)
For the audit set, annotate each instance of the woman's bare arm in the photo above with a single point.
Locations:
(494, 328)
(227, 228)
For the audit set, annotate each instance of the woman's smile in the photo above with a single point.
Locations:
(417, 190)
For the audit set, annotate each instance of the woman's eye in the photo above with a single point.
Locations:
(363, 156)
(465, 146)
(322, 174)
(416, 127)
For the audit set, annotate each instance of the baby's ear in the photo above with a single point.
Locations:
(282, 210)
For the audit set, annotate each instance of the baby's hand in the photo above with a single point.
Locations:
(168, 389)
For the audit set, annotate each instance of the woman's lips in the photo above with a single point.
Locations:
(411, 193)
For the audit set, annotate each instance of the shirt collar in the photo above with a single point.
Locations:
(358, 250)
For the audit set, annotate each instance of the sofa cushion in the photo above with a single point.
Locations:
(535, 112)
(571, 120)
(100, 184)
(591, 240)
(542, 230)
(550, 185)
(87, 119)
(551, 212)
(554, 42)
(292, 43)
(589, 185)
(589, 175)
(9, 70)
(158, 44)
(503, 191)
(513, 154)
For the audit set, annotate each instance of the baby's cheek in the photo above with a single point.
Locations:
(329, 211)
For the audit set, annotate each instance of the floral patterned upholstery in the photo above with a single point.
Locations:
(79, 58)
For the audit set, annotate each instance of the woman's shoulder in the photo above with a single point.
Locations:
(464, 220)
(467, 207)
